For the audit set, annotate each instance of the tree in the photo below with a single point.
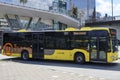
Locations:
(23, 1)
(75, 12)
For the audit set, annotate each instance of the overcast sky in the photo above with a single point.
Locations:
(104, 6)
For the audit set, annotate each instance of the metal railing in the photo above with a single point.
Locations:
(103, 19)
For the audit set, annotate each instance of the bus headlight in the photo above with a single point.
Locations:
(112, 57)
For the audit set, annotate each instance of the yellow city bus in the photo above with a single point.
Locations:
(84, 45)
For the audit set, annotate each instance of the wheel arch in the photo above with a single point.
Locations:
(24, 50)
(79, 53)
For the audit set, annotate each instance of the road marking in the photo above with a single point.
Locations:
(102, 79)
(55, 76)
(3, 64)
(91, 77)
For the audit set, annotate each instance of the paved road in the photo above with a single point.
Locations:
(38, 70)
(109, 71)
(16, 69)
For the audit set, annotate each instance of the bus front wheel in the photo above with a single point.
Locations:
(79, 58)
(25, 55)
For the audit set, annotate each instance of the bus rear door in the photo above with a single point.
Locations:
(1, 40)
(38, 45)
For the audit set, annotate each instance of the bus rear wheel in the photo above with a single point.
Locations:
(79, 58)
(25, 55)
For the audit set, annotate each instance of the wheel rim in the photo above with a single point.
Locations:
(25, 56)
(79, 59)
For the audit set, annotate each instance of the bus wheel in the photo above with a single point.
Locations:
(25, 55)
(79, 58)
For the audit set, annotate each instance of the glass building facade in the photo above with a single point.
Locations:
(54, 5)
(37, 4)
(58, 6)
(87, 6)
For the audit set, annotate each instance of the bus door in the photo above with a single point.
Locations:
(1, 41)
(98, 47)
(38, 46)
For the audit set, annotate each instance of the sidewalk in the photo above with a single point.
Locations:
(10, 70)
(4, 57)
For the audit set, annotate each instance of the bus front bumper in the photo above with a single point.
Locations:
(112, 57)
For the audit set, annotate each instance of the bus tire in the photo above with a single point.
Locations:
(79, 58)
(24, 55)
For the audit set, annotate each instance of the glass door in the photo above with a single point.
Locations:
(98, 48)
(38, 46)
(93, 48)
(103, 48)
(1, 40)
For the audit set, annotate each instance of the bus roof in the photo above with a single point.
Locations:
(94, 28)
(66, 30)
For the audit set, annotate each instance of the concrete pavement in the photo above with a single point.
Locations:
(11, 70)
(18, 71)
(4, 57)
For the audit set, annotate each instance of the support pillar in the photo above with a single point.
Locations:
(13, 23)
(9, 24)
(29, 23)
(19, 22)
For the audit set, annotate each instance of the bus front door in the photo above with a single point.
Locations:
(97, 49)
(38, 46)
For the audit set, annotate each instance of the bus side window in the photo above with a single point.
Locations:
(61, 41)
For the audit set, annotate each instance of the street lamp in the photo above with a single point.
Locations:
(112, 8)
(88, 8)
